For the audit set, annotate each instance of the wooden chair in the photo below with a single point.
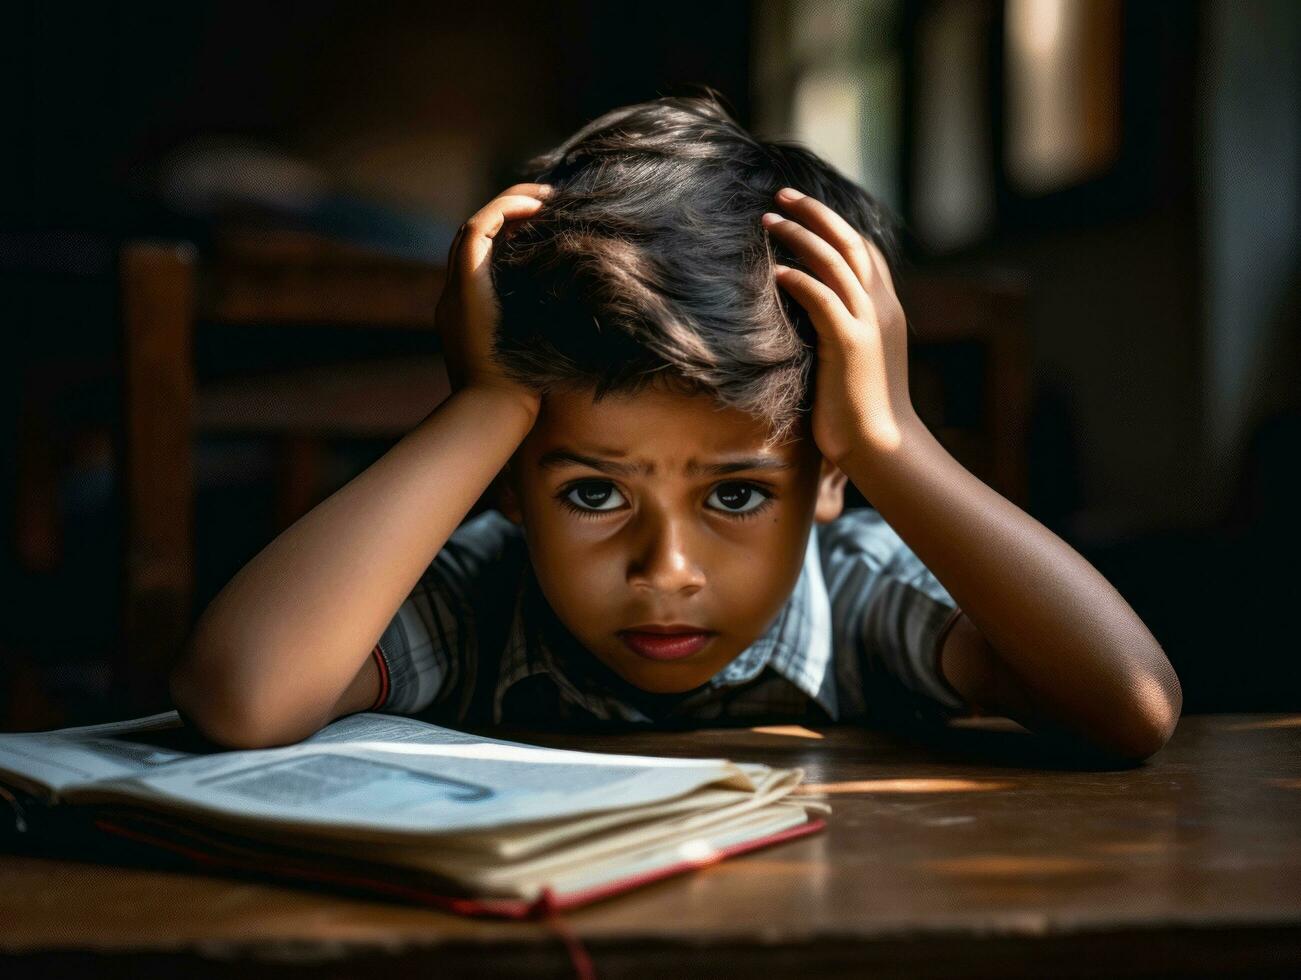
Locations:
(970, 373)
(296, 280)
(264, 279)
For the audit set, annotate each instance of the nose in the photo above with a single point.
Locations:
(662, 560)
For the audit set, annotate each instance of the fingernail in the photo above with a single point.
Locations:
(769, 219)
(789, 194)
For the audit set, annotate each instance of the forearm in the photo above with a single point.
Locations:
(1064, 638)
(1089, 665)
(287, 635)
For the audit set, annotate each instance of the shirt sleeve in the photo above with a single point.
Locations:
(893, 611)
(430, 647)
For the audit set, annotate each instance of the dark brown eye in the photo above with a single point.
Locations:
(736, 498)
(595, 496)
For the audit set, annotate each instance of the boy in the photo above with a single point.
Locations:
(675, 346)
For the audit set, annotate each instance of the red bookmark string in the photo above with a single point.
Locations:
(578, 955)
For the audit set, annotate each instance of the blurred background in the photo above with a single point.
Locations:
(222, 227)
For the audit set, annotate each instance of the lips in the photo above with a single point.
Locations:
(672, 642)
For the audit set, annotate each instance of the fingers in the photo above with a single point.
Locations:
(510, 204)
(882, 266)
(823, 258)
(489, 219)
(818, 299)
(473, 242)
(832, 228)
(529, 190)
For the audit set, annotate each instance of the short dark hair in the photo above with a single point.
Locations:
(649, 262)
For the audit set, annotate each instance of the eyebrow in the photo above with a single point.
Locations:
(557, 458)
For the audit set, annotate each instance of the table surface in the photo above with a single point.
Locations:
(974, 854)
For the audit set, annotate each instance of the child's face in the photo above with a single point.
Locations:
(664, 510)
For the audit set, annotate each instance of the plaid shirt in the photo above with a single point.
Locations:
(859, 638)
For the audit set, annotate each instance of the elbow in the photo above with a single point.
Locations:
(232, 727)
(1153, 700)
(221, 721)
(1145, 737)
(1126, 735)
(1127, 741)
(229, 730)
(1159, 706)
(220, 708)
(1150, 718)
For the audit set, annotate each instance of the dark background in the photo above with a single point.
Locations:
(1163, 286)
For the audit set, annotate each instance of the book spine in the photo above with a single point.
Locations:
(191, 849)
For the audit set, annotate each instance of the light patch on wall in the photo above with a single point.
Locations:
(953, 199)
(1062, 61)
(828, 74)
(828, 114)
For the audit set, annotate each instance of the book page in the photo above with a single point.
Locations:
(698, 848)
(368, 726)
(59, 760)
(387, 774)
(414, 789)
(70, 757)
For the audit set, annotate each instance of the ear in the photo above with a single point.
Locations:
(831, 493)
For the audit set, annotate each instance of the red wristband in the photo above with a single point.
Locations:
(382, 664)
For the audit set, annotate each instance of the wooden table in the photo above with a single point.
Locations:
(973, 856)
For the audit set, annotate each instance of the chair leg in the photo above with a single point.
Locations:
(157, 281)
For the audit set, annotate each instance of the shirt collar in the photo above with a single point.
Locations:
(797, 646)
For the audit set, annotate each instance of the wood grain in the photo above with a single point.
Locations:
(976, 855)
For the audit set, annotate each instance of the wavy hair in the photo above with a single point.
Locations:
(649, 262)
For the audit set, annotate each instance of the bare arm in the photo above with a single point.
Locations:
(1043, 637)
(270, 657)
(283, 648)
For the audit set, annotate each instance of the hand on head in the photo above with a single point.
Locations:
(468, 312)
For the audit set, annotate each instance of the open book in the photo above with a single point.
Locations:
(391, 805)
